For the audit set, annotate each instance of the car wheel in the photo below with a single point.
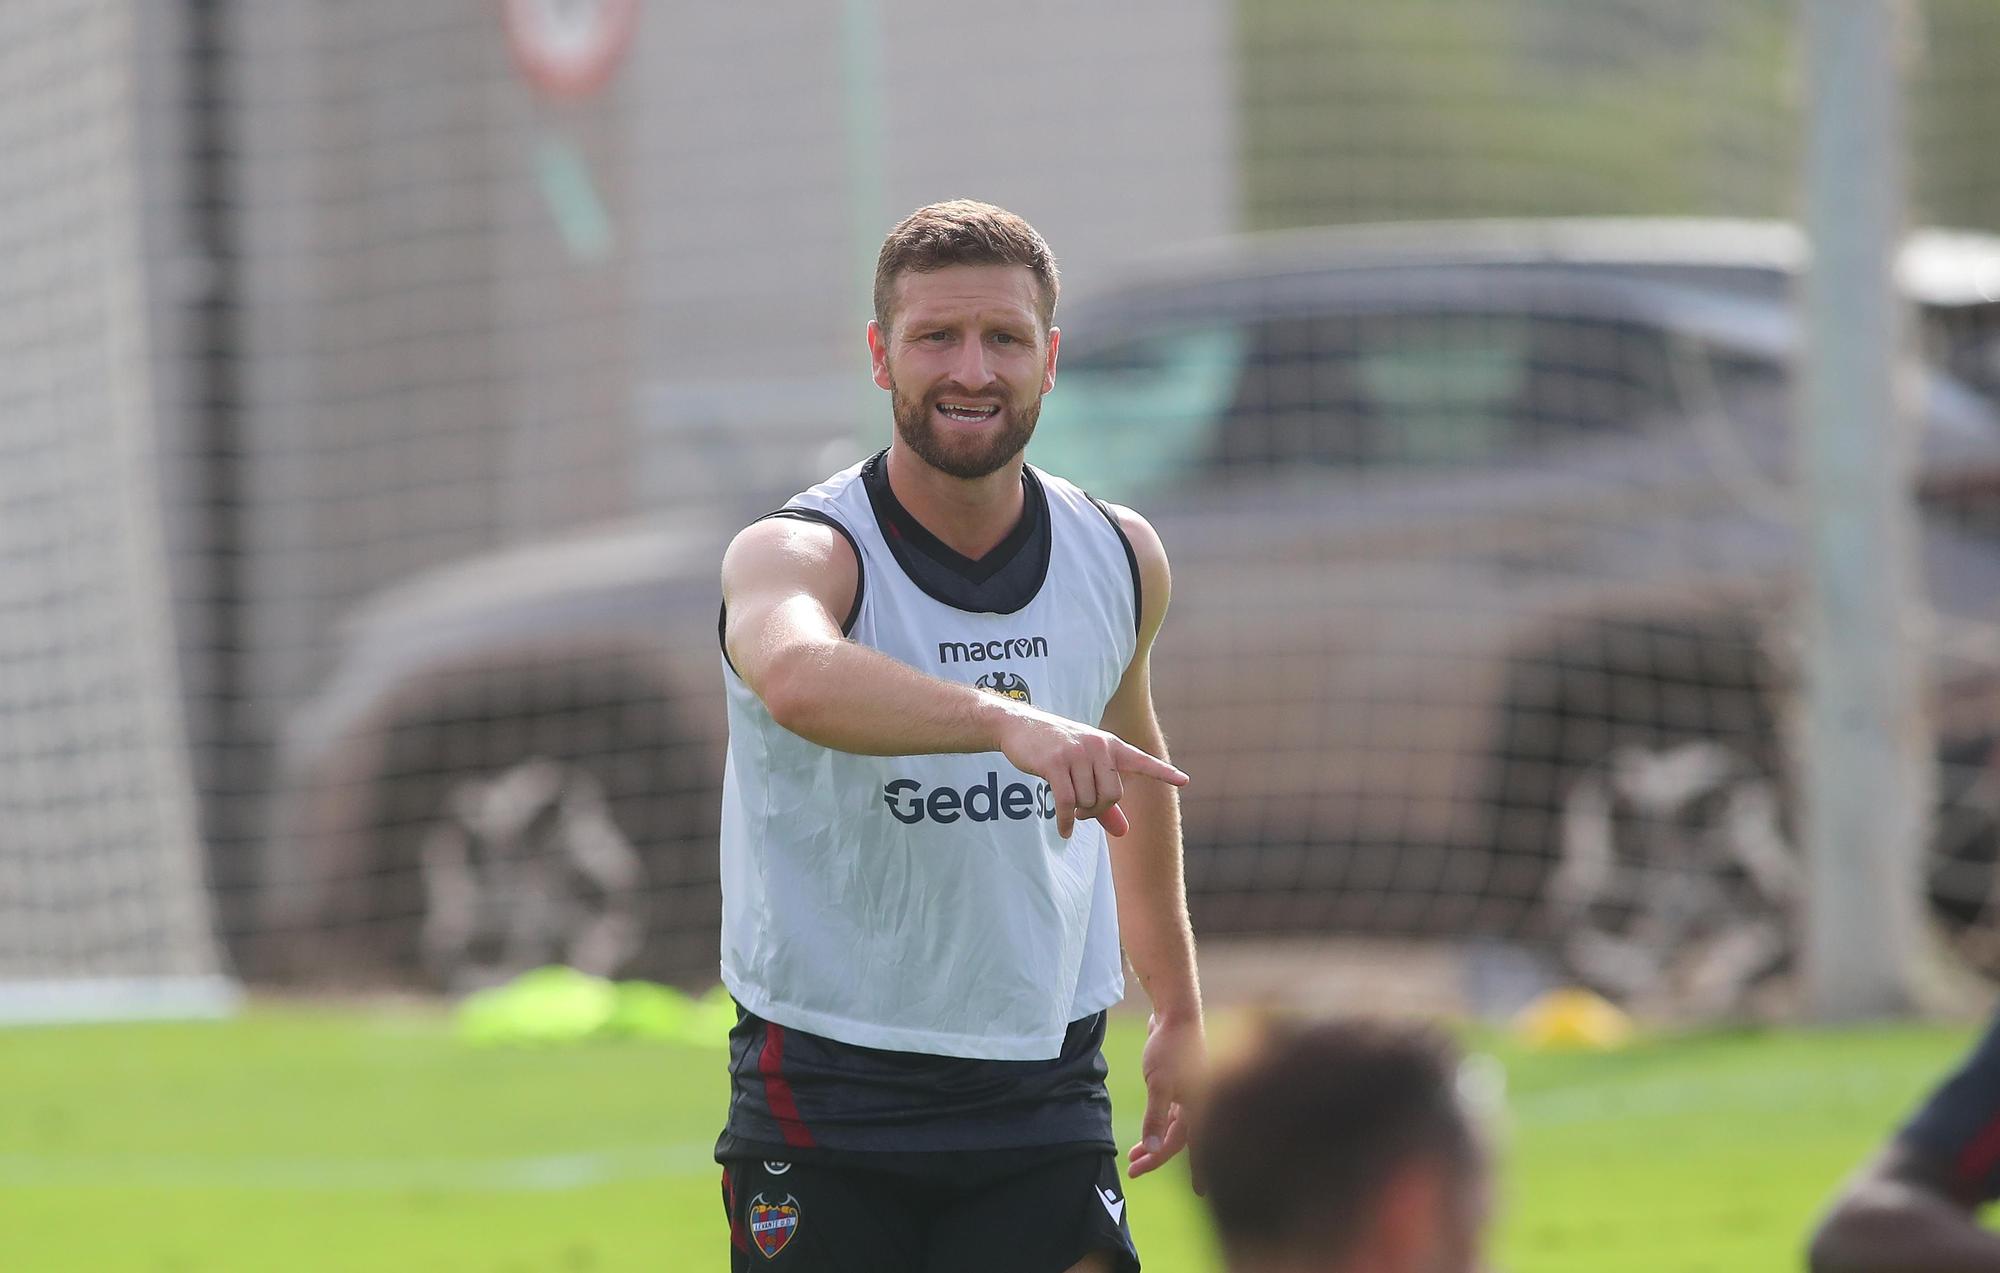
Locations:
(1586, 695)
(524, 868)
(1677, 885)
(519, 817)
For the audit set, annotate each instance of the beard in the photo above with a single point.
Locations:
(970, 456)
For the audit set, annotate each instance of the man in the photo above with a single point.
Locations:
(1344, 1147)
(946, 801)
(1914, 1208)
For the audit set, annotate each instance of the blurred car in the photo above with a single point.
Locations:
(1483, 547)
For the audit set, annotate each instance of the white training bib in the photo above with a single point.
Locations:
(926, 903)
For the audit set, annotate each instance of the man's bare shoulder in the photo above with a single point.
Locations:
(783, 537)
(1155, 579)
(1145, 540)
(791, 555)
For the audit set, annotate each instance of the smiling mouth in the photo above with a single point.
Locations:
(968, 414)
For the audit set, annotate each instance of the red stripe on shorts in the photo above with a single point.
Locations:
(1976, 1160)
(778, 1092)
(736, 1238)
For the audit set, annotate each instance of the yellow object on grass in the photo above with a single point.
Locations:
(1572, 1018)
(544, 1005)
(558, 1004)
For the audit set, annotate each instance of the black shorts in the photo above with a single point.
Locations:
(997, 1211)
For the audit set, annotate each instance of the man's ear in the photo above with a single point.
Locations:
(878, 352)
(1049, 372)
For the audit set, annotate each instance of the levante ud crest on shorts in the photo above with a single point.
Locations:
(772, 1224)
(1006, 685)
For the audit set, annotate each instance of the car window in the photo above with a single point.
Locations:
(1438, 390)
(1140, 413)
(1964, 340)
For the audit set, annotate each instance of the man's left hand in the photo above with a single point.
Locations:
(1175, 1052)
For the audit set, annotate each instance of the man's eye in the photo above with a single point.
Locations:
(937, 337)
(1006, 338)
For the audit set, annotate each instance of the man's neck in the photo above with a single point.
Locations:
(970, 515)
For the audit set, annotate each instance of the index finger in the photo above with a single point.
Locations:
(1130, 760)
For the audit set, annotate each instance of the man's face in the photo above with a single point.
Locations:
(966, 363)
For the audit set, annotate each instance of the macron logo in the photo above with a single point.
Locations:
(1112, 1203)
(990, 651)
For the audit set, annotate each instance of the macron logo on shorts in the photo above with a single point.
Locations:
(1112, 1203)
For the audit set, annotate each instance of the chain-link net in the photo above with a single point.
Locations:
(103, 907)
(1483, 514)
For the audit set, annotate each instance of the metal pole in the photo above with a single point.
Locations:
(1864, 755)
(863, 82)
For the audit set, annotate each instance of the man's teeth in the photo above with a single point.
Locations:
(967, 413)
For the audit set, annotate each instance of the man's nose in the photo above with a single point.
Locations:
(970, 369)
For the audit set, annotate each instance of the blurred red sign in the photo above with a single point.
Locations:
(569, 48)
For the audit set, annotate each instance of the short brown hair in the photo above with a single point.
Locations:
(1335, 1107)
(963, 232)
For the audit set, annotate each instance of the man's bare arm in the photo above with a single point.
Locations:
(1152, 891)
(1900, 1215)
(784, 580)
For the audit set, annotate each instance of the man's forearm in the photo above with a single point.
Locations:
(852, 698)
(1152, 898)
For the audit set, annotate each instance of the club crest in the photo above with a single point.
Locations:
(1006, 685)
(772, 1224)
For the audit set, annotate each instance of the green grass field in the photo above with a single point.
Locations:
(310, 1140)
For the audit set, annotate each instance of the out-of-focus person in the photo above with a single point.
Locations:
(1913, 1207)
(1344, 1146)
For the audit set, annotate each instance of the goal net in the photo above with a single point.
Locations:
(1449, 347)
(103, 906)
